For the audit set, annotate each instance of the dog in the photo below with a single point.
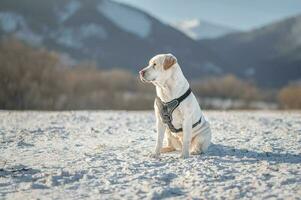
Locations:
(178, 114)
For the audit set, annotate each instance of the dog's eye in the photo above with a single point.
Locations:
(154, 65)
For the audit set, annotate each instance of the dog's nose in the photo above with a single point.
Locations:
(142, 73)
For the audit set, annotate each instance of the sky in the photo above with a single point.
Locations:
(239, 14)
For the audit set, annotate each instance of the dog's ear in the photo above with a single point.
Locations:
(169, 61)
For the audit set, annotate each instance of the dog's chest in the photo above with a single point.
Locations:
(170, 114)
(177, 118)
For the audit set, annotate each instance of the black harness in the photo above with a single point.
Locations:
(166, 110)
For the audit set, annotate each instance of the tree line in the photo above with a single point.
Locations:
(37, 79)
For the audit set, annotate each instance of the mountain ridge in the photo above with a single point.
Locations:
(200, 29)
(271, 49)
(90, 31)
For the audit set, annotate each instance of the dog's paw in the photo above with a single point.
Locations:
(155, 155)
(184, 155)
(195, 152)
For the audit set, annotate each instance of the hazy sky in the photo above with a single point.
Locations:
(241, 14)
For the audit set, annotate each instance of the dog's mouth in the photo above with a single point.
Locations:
(144, 80)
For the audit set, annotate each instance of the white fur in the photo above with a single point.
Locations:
(170, 84)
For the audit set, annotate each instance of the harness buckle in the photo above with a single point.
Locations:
(166, 118)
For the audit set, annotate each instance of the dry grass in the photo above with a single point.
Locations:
(290, 97)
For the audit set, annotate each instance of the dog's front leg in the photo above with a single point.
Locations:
(160, 137)
(187, 129)
(160, 134)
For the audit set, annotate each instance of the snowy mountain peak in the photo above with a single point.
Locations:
(197, 29)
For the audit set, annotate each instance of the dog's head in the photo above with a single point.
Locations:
(159, 68)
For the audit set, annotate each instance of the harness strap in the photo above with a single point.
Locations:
(175, 130)
(181, 98)
(166, 110)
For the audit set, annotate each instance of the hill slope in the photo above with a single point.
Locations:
(113, 34)
(271, 54)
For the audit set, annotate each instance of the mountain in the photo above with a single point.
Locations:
(271, 55)
(117, 35)
(110, 33)
(197, 29)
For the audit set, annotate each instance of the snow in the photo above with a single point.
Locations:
(126, 18)
(188, 27)
(68, 10)
(250, 71)
(67, 37)
(74, 37)
(91, 29)
(197, 29)
(295, 32)
(93, 154)
(27, 35)
(210, 67)
(10, 21)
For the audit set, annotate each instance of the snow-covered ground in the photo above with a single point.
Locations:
(105, 155)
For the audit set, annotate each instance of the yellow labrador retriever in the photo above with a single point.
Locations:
(178, 113)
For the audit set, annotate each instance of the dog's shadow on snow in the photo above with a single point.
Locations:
(246, 155)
